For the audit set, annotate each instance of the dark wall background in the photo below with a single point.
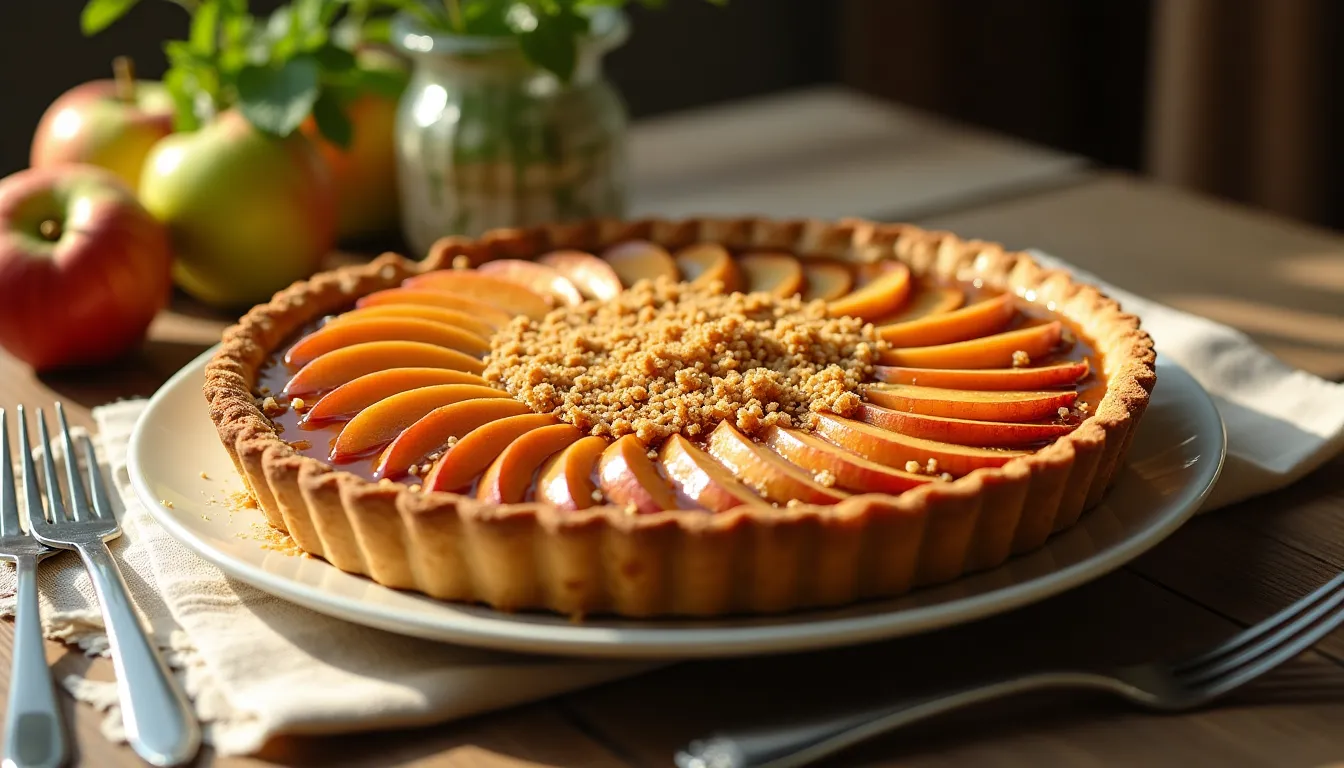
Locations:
(688, 54)
(1059, 72)
(1063, 73)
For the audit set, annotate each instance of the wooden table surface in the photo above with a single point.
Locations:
(1280, 282)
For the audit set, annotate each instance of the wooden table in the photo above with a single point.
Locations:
(1280, 282)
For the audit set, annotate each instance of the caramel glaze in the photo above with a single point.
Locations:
(316, 440)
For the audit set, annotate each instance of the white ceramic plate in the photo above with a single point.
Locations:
(1174, 460)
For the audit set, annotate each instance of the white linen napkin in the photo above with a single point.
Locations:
(1282, 423)
(256, 666)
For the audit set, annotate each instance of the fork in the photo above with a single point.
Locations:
(160, 726)
(1164, 686)
(35, 732)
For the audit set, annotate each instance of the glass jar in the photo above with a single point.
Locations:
(486, 139)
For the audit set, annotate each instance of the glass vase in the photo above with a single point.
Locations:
(486, 139)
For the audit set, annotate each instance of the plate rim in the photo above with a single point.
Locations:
(499, 631)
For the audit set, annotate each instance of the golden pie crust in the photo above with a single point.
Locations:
(602, 560)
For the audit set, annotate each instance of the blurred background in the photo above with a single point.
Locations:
(1235, 99)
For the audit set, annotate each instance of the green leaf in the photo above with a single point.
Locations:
(205, 28)
(377, 30)
(100, 14)
(238, 34)
(334, 59)
(277, 99)
(332, 121)
(549, 40)
(282, 35)
(309, 13)
(384, 82)
(488, 18)
(181, 87)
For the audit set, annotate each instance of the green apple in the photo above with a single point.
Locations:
(248, 212)
(108, 123)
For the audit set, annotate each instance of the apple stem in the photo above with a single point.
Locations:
(124, 70)
(50, 229)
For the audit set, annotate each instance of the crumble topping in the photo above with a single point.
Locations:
(929, 468)
(664, 358)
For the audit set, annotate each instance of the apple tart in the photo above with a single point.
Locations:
(680, 418)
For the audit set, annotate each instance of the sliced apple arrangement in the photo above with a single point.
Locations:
(392, 388)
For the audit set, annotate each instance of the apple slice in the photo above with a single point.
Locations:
(771, 272)
(489, 289)
(539, 278)
(987, 434)
(826, 280)
(508, 477)
(851, 470)
(636, 260)
(594, 277)
(881, 296)
(493, 316)
(348, 363)
(1057, 375)
(979, 319)
(381, 422)
(987, 405)
(566, 479)
(765, 471)
(474, 451)
(628, 478)
(995, 351)
(927, 299)
(357, 394)
(702, 479)
(333, 337)
(894, 449)
(704, 263)
(432, 431)
(453, 317)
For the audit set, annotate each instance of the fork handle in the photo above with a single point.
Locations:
(802, 742)
(160, 725)
(35, 734)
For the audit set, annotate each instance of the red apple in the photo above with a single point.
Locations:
(108, 123)
(249, 213)
(84, 267)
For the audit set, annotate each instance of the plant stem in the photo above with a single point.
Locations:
(454, 13)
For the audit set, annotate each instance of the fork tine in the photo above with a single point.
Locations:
(1283, 636)
(79, 497)
(36, 515)
(1271, 652)
(55, 506)
(1252, 635)
(9, 504)
(102, 503)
